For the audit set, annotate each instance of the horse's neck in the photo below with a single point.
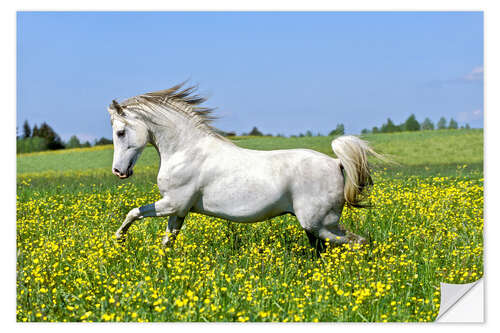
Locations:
(168, 143)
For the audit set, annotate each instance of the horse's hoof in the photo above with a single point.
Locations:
(362, 241)
(167, 244)
(355, 239)
(168, 240)
(119, 238)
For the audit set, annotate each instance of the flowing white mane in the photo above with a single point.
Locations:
(180, 101)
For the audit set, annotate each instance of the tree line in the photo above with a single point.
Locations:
(412, 124)
(43, 137)
(339, 130)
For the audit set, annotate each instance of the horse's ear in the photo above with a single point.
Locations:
(118, 108)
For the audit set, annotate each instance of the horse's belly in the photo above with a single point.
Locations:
(243, 206)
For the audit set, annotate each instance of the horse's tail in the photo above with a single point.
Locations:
(353, 153)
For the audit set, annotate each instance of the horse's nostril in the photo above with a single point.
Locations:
(116, 171)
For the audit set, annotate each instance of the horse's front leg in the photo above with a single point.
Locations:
(160, 208)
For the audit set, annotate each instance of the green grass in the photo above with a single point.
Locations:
(441, 151)
(425, 228)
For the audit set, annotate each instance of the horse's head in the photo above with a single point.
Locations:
(130, 136)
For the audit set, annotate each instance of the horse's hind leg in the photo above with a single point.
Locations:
(335, 233)
(173, 228)
(328, 229)
(315, 242)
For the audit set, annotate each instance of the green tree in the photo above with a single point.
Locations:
(453, 124)
(32, 144)
(467, 126)
(223, 133)
(103, 141)
(411, 124)
(390, 127)
(427, 125)
(339, 130)
(35, 132)
(375, 130)
(73, 142)
(53, 140)
(26, 130)
(255, 132)
(441, 123)
(309, 133)
(365, 131)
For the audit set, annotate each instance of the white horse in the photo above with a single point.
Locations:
(201, 171)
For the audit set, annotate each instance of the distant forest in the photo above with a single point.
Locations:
(411, 124)
(45, 138)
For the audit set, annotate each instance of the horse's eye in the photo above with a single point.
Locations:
(120, 133)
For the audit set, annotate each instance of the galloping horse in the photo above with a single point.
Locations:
(201, 171)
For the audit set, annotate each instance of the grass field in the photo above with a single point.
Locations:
(425, 228)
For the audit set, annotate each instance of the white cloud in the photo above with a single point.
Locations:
(476, 74)
(470, 115)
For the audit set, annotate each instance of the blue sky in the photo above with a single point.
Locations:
(282, 72)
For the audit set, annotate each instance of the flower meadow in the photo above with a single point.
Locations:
(423, 230)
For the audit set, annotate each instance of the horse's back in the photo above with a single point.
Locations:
(248, 185)
(314, 175)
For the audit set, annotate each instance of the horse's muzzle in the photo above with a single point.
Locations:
(121, 175)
